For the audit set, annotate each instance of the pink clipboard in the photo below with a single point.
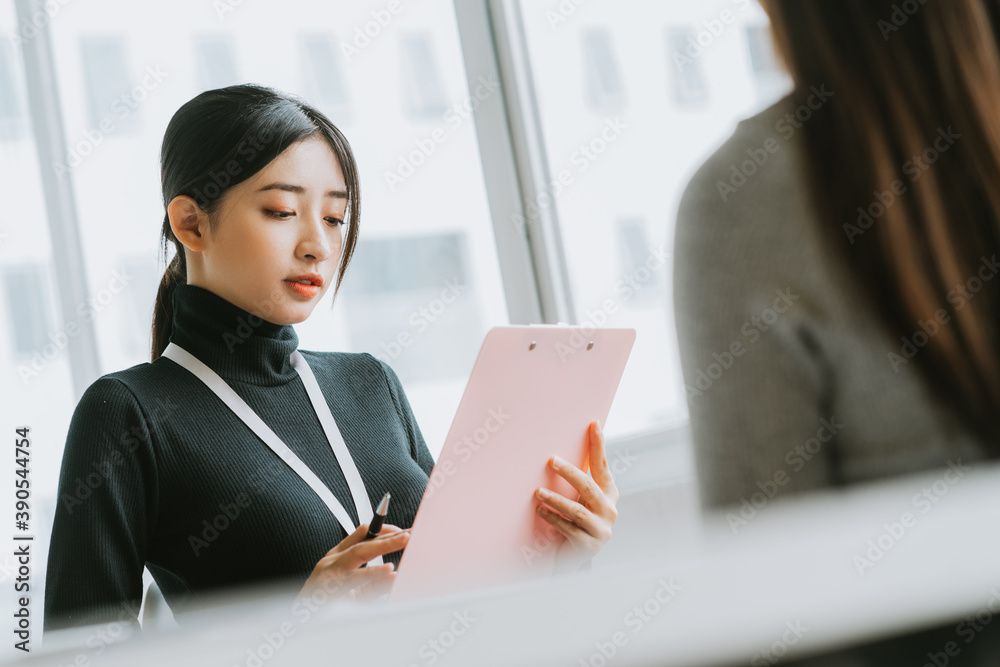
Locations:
(532, 393)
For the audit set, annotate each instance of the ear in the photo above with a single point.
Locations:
(188, 222)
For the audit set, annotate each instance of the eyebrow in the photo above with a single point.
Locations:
(298, 189)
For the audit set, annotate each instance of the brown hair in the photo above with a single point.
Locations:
(904, 74)
(248, 125)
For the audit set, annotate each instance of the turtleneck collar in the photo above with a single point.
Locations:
(231, 341)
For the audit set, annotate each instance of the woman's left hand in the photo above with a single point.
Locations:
(586, 522)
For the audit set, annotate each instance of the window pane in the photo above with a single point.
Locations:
(425, 223)
(627, 167)
(391, 276)
(36, 387)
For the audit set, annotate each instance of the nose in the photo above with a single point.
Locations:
(315, 242)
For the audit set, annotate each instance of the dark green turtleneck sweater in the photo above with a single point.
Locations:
(157, 471)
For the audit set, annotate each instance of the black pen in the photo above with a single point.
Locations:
(376, 525)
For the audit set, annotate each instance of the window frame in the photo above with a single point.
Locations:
(45, 111)
(515, 169)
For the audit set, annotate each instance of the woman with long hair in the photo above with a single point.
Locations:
(234, 458)
(837, 296)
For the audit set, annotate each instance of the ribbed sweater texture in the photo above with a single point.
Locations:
(158, 472)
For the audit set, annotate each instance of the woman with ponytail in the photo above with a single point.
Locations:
(838, 309)
(234, 458)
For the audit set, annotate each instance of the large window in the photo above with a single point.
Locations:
(403, 288)
(425, 225)
(616, 124)
(36, 388)
(628, 110)
(425, 286)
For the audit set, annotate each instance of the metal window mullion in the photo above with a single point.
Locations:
(60, 204)
(515, 168)
(514, 164)
(542, 225)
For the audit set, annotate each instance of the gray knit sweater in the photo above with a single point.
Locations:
(790, 383)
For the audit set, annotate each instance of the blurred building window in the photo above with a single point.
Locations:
(399, 288)
(106, 81)
(323, 79)
(421, 80)
(604, 84)
(13, 121)
(688, 82)
(26, 290)
(634, 246)
(762, 55)
(216, 63)
(770, 78)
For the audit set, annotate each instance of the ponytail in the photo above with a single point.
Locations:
(163, 311)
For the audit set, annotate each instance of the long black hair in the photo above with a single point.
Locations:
(221, 138)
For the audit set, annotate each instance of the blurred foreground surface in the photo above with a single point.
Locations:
(905, 571)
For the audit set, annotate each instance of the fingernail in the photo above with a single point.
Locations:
(558, 461)
(542, 493)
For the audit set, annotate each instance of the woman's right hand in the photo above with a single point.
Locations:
(340, 574)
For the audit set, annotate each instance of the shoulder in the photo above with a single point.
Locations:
(115, 389)
(358, 370)
(108, 404)
(114, 416)
(343, 361)
(747, 213)
(140, 390)
(751, 167)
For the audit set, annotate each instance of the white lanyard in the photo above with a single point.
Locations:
(361, 501)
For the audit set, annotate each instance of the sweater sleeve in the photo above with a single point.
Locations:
(418, 448)
(107, 502)
(756, 380)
